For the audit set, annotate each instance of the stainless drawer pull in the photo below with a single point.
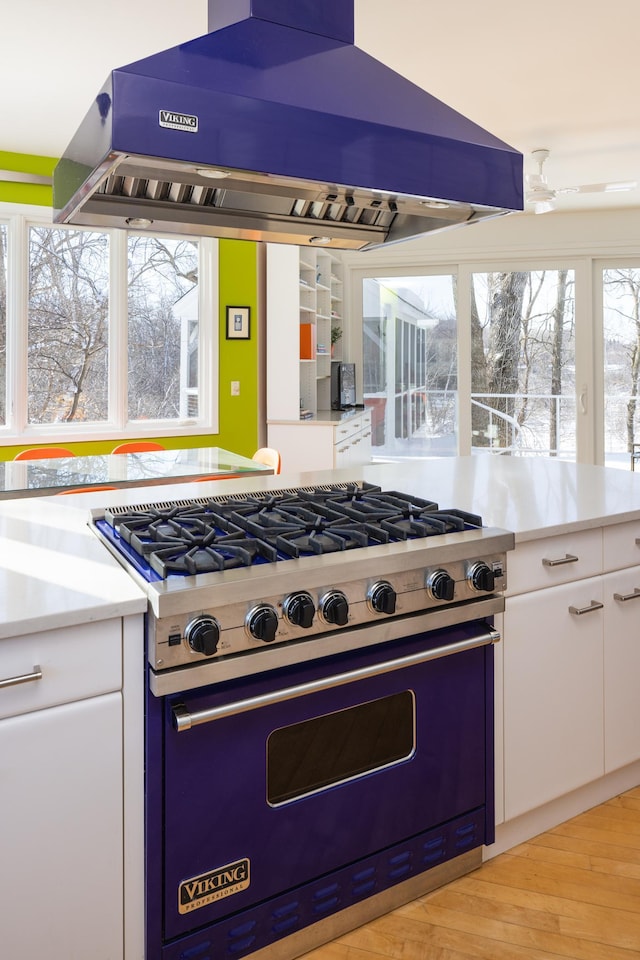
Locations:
(568, 558)
(594, 605)
(183, 719)
(627, 596)
(26, 678)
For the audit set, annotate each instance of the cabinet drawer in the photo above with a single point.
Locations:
(347, 428)
(543, 563)
(74, 662)
(621, 545)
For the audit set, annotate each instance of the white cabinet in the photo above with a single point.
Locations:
(341, 442)
(622, 668)
(61, 831)
(571, 710)
(75, 663)
(61, 793)
(552, 560)
(352, 441)
(553, 693)
(621, 545)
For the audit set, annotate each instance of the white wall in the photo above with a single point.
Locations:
(589, 233)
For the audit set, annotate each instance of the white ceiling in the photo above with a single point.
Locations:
(561, 74)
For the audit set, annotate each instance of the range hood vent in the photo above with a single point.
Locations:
(274, 126)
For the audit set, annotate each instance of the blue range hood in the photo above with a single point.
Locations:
(275, 126)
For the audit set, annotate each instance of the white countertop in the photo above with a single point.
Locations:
(54, 572)
(326, 418)
(533, 497)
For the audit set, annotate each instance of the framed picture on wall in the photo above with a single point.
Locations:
(238, 323)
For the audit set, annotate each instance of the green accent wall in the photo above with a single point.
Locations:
(34, 194)
(237, 359)
(238, 287)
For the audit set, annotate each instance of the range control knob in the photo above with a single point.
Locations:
(382, 597)
(335, 608)
(299, 609)
(203, 635)
(262, 623)
(441, 585)
(482, 577)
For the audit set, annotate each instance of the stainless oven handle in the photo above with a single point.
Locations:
(25, 678)
(184, 720)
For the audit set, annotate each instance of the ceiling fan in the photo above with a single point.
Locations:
(543, 197)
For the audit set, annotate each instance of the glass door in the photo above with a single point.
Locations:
(620, 288)
(410, 357)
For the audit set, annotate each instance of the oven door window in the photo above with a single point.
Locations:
(321, 752)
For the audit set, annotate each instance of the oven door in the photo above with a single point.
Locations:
(273, 781)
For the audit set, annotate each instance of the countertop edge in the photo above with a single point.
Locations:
(73, 618)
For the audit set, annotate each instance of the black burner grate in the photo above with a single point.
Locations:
(219, 533)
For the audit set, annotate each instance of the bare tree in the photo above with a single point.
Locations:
(479, 375)
(68, 325)
(505, 301)
(68, 337)
(626, 282)
(528, 344)
(557, 359)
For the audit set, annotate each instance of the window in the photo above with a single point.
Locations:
(163, 299)
(410, 364)
(470, 361)
(523, 363)
(68, 326)
(621, 338)
(104, 334)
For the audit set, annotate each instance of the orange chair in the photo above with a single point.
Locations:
(137, 446)
(105, 486)
(269, 457)
(42, 453)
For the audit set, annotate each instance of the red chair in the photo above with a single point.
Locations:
(137, 446)
(43, 453)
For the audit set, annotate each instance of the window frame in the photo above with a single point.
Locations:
(17, 428)
(599, 266)
(462, 267)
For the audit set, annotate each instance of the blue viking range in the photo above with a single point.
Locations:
(319, 711)
(274, 126)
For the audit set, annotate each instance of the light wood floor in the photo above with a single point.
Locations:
(572, 892)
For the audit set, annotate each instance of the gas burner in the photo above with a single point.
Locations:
(206, 556)
(321, 536)
(300, 528)
(191, 541)
(220, 533)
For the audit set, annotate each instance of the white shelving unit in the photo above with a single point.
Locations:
(320, 279)
(304, 302)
